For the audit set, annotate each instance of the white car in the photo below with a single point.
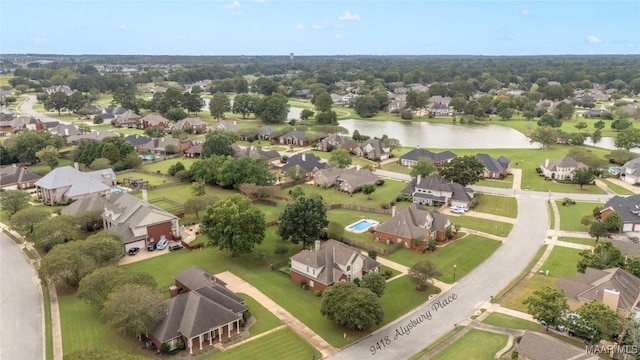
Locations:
(457, 210)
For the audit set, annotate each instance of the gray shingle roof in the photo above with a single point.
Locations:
(627, 207)
(195, 277)
(536, 346)
(493, 165)
(305, 161)
(632, 167)
(565, 162)
(15, 175)
(591, 285)
(417, 153)
(410, 222)
(79, 183)
(436, 182)
(137, 139)
(296, 134)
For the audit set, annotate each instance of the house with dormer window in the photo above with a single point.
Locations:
(374, 149)
(328, 263)
(434, 190)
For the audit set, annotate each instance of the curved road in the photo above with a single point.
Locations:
(21, 312)
(430, 321)
(27, 109)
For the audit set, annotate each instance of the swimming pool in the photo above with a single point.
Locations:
(116, 189)
(362, 225)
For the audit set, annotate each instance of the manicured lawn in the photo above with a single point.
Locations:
(476, 344)
(163, 166)
(532, 181)
(282, 344)
(466, 254)
(507, 183)
(265, 320)
(552, 216)
(152, 179)
(514, 301)
(497, 205)
(617, 188)
(383, 195)
(443, 338)
(355, 160)
(582, 241)
(570, 215)
(82, 327)
(47, 321)
(182, 192)
(562, 262)
(512, 322)
(347, 217)
(488, 226)
(44, 169)
(395, 167)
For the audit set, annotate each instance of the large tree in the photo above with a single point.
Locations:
(597, 321)
(56, 101)
(219, 143)
(605, 255)
(464, 170)
(322, 100)
(133, 309)
(351, 306)
(628, 139)
(549, 119)
(303, 220)
(66, 264)
(193, 103)
(598, 230)
(13, 201)
(244, 104)
(545, 135)
(234, 224)
(548, 305)
(423, 167)
(613, 222)
(25, 219)
(25, 145)
(218, 105)
(583, 177)
(422, 273)
(103, 247)
(340, 158)
(96, 287)
(272, 109)
(375, 282)
(195, 204)
(366, 106)
(54, 231)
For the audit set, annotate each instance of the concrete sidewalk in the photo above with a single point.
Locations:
(483, 234)
(481, 215)
(405, 270)
(236, 284)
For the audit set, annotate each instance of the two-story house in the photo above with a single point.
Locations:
(328, 263)
(68, 183)
(434, 190)
(561, 169)
(411, 158)
(337, 141)
(154, 120)
(374, 149)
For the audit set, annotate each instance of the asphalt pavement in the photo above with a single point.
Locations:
(21, 307)
(27, 109)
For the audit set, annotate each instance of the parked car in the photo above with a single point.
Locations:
(176, 247)
(162, 244)
(151, 247)
(133, 251)
(456, 210)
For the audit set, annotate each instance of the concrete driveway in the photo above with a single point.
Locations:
(21, 308)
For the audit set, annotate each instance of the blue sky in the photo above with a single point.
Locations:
(278, 27)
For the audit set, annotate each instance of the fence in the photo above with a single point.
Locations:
(283, 268)
(292, 183)
(192, 247)
(382, 251)
(359, 208)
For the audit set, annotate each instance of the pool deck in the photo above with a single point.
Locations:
(373, 223)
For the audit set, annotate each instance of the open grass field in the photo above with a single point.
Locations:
(591, 242)
(514, 301)
(616, 188)
(44, 169)
(265, 320)
(283, 344)
(152, 179)
(4, 80)
(552, 216)
(570, 215)
(507, 183)
(164, 165)
(507, 321)
(497, 205)
(395, 167)
(354, 159)
(476, 344)
(487, 226)
(562, 262)
(466, 253)
(383, 195)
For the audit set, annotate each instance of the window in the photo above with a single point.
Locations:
(349, 268)
(314, 271)
(307, 269)
(311, 284)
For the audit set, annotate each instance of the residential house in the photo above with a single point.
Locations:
(6, 113)
(194, 123)
(440, 109)
(631, 171)
(418, 87)
(538, 346)
(374, 149)
(17, 178)
(24, 123)
(336, 98)
(294, 138)
(265, 133)
(437, 99)
(129, 119)
(158, 146)
(628, 248)
(615, 287)
(309, 163)
(226, 126)
(413, 227)
(581, 99)
(59, 88)
(515, 92)
(200, 316)
(396, 104)
(68, 183)
(627, 207)
(137, 140)
(109, 113)
(561, 169)
(337, 141)
(92, 136)
(348, 99)
(434, 190)
(593, 113)
(400, 90)
(65, 130)
(154, 120)
(303, 94)
(411, 158)
(194, 151)
(347, 180)
(328, 263)
(494, 168)
(270, 157)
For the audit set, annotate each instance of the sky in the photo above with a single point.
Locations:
(319, 27)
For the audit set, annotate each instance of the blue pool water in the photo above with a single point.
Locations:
(362, 225)
(117, 190)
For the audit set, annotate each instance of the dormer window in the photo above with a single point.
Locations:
(348, 267)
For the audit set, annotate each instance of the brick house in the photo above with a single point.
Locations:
(411, 158)
(347, 180)
(561, 169)
(17, 178)
(373, 149)
(434, 190)
(627, 207)
(493, 168)
(69, 183)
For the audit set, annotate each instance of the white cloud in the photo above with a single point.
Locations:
(234, 4)
(122, 27)
(300, 27)
(510, 37)
(339, 36)
(39, 41)
(593, 39)
(525, 12)
(319, 26)
(349, 17)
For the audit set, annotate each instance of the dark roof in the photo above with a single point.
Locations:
(296, 134)
(15, 175)
(414, 222)
(83, 205)
(436, 182)
(536, 346)
(493, 165)
(417, 153)
(627, 248)
(137, 140)
(591, 285)
(305, 161)
(565, 162)
(257, 153)
(195, 277)
(627, 207)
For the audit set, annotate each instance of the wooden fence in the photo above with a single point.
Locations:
(359, 208)
(381, 251)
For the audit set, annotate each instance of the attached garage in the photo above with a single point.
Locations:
(139, 244)
(627, 227)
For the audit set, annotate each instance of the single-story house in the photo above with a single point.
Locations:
(592, 113)
(137, 140)
(627, 207)
(294, 138)
(194, 151)
(92, 136)
(309, 163)
(347, 180)
(538, 346)
(436, 191)
(411, 158)
(561, 169)
(226, 126)
(328, 263)
(109, 113)
(69, 183)
(199, 316)
(337, 141)
(194, 123)
(265, 133)
(615, 287)
(59, 88)
(374, 149)
(494, 168)
(17, 178)
(159, 145)
(154, 120)
(631, 171)
(270, 157)
(414, 226)
(64, 130)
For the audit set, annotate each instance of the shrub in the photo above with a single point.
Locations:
(164, 349)
(568, 202)
(180, 344)
(373, 254)
(388, 274)
(431, 244)
(406, 115)
(246, 315)
(259, 256)
(380, 182)
(281, 249)
(317, 293)
(356, 281)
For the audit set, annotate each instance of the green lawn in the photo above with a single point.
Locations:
(282, 344)
(487, 226)
(476, 344)
(562, 262)
(47, 321)
(552, 216)
(570, 215)
(617, 188)
(152, 179)
(395, 167)
(512, 322)
(506, 183)
(348, 217)
(583, 241)
(182, 192)
(466, 254)
(265, 320)
(44, 169)
(514, 301)
(163, 166)
(443, 338)
(383, 195)
(355, 160)
(497, 205)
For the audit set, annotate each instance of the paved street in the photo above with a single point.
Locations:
(27, 108)
(21, 313)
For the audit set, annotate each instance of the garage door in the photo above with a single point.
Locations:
(138, 244)
(627, 227)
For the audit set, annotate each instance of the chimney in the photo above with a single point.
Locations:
(173, 291)
(144, 194)
(417, 146)
(418, 179)
(75, 165)
(317, 248)
(611, 297)
(304, 157)
(393, 211)
(546, 163)
(235, 122)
